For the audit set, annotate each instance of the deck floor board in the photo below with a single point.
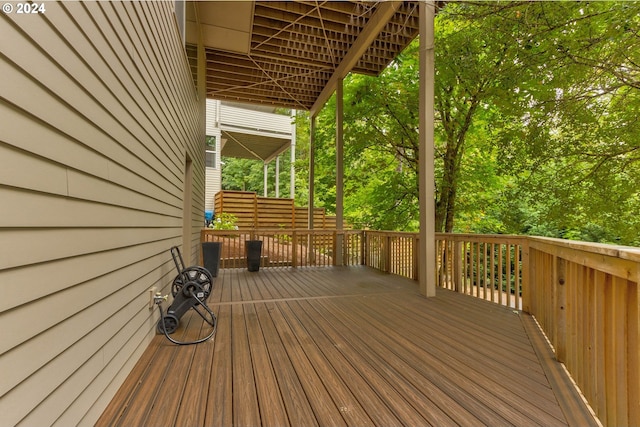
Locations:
(345, 346)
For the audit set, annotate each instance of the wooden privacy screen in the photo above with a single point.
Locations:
(255, 211)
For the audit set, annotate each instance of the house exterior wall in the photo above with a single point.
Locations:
(256, 122)
(213, 175)
(99, 121)
(221, 116)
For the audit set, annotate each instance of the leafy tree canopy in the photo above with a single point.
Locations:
(536, 126)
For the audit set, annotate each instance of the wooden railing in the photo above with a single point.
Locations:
(289, 247)
(392, 252)
(490, 267)
(584, 296)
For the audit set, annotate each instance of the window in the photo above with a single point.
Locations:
(211, 152)
(210, 159)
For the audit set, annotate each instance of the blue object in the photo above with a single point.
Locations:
(208, 216)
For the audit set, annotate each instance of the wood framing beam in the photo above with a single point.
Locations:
(426, 173)
(377, 22)
(312, 171)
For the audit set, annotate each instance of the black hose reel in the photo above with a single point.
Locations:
(190, 289)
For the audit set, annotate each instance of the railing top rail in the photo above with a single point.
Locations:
(392, 233)
(546, 244)
(629, 253)
(281, 231)
(487, 238)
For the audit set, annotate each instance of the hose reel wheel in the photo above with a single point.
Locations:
(170, 324)
(198, 279)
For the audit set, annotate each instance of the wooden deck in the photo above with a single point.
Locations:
(347, 347)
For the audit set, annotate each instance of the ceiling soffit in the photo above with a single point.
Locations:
(296, 48)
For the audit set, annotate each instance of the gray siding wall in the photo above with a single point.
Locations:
(98, 119)
(213, 175)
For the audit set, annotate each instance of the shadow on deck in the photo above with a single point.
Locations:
(348, 346)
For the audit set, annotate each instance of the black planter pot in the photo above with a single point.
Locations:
(211, 256)
(253, 249)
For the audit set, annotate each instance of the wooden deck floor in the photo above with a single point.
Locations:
(347, 347)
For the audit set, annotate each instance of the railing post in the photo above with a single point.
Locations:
(387, 254)
(363, 247)
(335, 248)
(345, 248)
(457, 266)
(439, 263)
(526, 279)
(414, 251)
(561, 308)
(294, 248)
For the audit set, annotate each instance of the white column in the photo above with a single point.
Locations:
(339, 169)
(277, 176)
(265, 176)
(426, 177)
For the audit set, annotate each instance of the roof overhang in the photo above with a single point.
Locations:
(252, 145)
(292, 53)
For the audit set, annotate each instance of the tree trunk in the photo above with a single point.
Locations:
(445, 205)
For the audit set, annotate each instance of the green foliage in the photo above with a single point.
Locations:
(248, 175)
(536, 126)
(224, 221)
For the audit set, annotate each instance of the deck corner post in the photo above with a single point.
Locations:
(526, 278)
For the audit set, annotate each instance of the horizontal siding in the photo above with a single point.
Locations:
(213, 176)
(98, 113)
(235, 117)
(213, 127)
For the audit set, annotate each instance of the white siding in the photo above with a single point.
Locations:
(235, 118)
(213, 175)
(248, 121)
(213, 119)
(98, 112)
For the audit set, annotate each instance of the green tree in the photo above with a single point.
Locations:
(571, 139)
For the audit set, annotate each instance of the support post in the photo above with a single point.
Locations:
(292, 183)
(277, 176)
(339, 170)
(426, 177)
(264, 175)
(312, 148)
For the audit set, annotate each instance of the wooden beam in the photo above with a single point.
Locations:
(367, 36)
(339, 171)
(312, 146)
(426, 175)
